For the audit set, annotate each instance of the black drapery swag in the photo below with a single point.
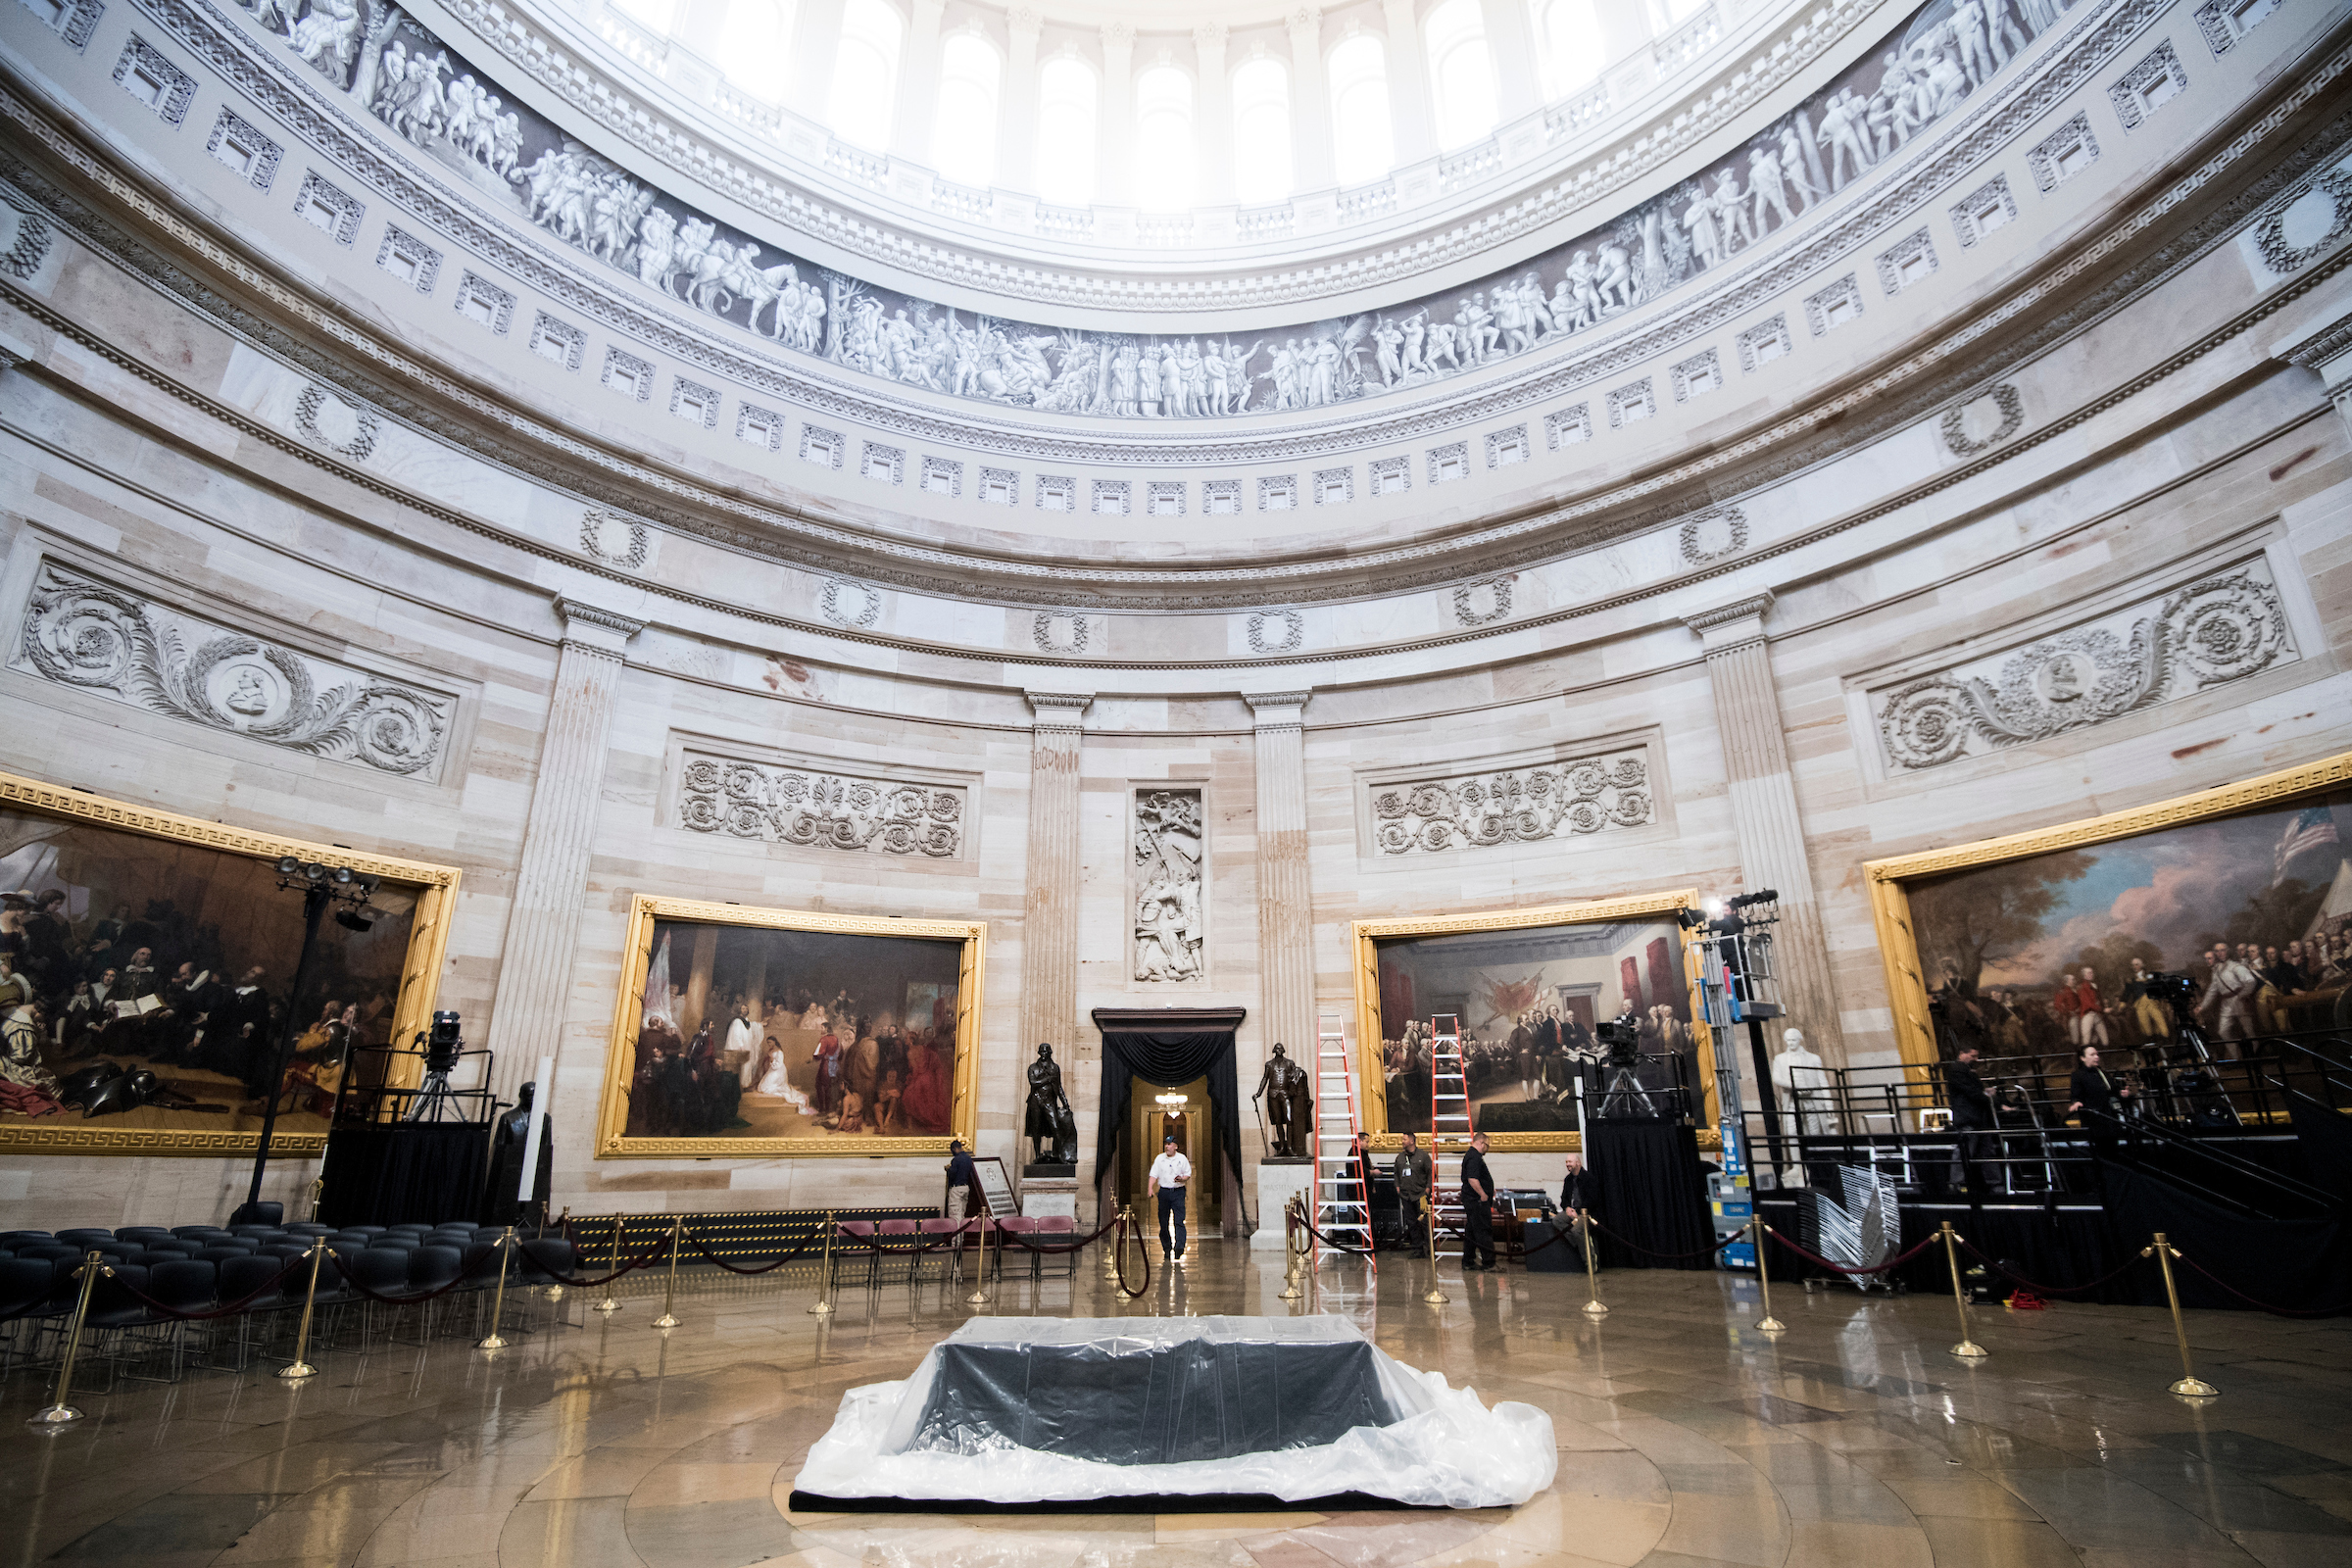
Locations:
(1170, 1060)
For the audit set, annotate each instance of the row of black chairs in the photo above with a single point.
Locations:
(227, 1294)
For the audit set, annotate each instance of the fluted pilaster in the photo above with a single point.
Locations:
(1049, 915)
(1763, 798)
(1286, 927)
(543, 920)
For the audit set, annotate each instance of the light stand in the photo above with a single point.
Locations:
(321, 886)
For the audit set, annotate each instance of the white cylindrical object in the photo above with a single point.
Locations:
(540, 1097)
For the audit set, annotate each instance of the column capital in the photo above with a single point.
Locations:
(1210, 37)
(1060, 709)
(1730, 625)
(1119, 35)
(1278, 710)
(1025, 20)
(592, 627)
(1307, 20)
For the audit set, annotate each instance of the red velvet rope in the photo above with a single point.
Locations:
(1674, 1257)
(2046, 1290)
(2280, 1311)
(1896, 1262)
(232, 1310)
(708, 1257)
(1080, 1243)
(351, 1280)
(1118, 1259)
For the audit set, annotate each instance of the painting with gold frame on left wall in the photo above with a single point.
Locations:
(159, 944)
(744, 1032)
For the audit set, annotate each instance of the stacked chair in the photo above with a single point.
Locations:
(134, 1328)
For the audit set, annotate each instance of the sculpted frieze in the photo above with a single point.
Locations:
(828, 809)
(2218, 629)
(116, 645)
(387, 65)
(1574, 798)
(2135, 255)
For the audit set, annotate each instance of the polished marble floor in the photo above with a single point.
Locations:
(1685, 1438)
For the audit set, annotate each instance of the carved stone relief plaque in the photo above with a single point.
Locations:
(805, 805)
(1582, 796)
(1169, 894)
(107, 641)
(2218, 629)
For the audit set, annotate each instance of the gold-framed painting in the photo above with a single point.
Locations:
(751, 1033)
(1528, 986)
(140, 942)
(2032, 942)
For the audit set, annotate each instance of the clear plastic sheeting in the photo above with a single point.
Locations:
(1060, 1410)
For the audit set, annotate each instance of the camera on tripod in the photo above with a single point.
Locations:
(2179, 989)
(435, 1100)
(442, 1045)
(1620, 1041)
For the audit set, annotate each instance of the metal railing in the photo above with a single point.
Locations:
(2183, 1109)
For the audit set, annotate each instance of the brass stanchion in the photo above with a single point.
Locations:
(1767, 1324)
(498, 1304)
(669, 1295)
(2190, 1386)
(1596, 1307)
(300, 1369)
(1291, 1291)
(1968, 1349)
(825, 1278)
(555, 1291)
(979, 1296)
(621, 1227)
(59, 1413)
(1436, 1294)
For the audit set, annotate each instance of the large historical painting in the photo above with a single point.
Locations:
(1528, 996)
(2043, 954)
(778, 1032)
(1918, 78)
(147, 980)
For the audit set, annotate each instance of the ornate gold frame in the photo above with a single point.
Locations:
(428, 943)
(1890, 898)
(612, 1109)
(1371, 1070)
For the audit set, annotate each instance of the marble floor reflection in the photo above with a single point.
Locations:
(1685, 1438)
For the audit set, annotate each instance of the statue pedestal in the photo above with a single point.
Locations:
(1277, 1181)
(1049, 1191)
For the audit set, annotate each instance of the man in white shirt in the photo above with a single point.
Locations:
(1171, 1174)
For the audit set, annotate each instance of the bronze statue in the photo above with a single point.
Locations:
(507, 1141)
(1289, 1108)
(1048, 1123)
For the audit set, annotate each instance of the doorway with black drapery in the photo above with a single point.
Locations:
(1154, 1051)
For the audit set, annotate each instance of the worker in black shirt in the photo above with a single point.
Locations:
(1412, 1174)
(1972, 1112)
(1580, 1197)
(1478, 1206)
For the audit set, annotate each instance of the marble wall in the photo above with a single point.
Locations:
(2113, 438)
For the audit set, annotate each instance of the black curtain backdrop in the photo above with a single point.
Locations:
(2304, 1265)
(1171, 1061)
(1653, 1192)
(399, 1173)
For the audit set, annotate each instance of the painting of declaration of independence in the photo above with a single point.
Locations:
(146, 984)
(2042, 955)
(745, 1031)
(1528, 1000)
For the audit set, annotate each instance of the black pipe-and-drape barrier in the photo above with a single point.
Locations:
(1171, 1059)
(398, 1173)
(1652, 1194)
